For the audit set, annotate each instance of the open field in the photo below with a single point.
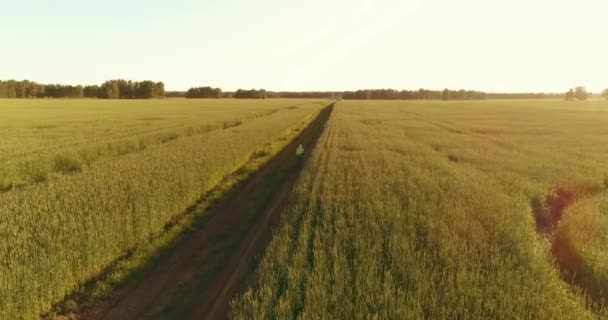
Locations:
(304, 160)
(405, 209)
(39, 138)
(208, 266)
(87, 182)
(444, 210)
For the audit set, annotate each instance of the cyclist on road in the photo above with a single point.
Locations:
(299, 156)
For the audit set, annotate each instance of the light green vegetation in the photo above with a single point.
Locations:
(69, 227)
(39, 138)
(581, 244)
(426, 210)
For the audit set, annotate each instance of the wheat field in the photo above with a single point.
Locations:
(444, 210)
(86, 182)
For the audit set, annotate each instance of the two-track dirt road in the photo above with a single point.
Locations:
(209, 266)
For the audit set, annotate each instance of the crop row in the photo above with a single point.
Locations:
(67, 230)
(411, 210)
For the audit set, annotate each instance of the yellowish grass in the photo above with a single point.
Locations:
(67, 228)
(426, 210)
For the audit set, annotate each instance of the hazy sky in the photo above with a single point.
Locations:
(493, 45)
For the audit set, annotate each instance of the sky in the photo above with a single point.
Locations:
(316, 45)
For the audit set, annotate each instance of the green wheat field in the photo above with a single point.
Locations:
(444, 210)
(406, 209)
(85, 182)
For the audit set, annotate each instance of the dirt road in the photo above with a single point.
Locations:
(210, 266)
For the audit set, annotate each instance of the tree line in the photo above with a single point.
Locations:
(216, 93)
(578, 93)
(29, 89)
(112, 89)
(127, 89)
(204, 92)
(308, 94)
(209, 92)
(381, 94)
(524, 95)
(421, 94)
(250, 94)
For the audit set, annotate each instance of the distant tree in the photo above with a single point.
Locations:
(112, 89)
(570, 95)
(21, 89)
(605, 94)
(61, 91)
(272, 94)
(3, 89)
(242, 94)
(175, 94)
(144, 90)
(126, 89)
(250, 94)
(159, 90)
(407, 95)
(306, 94)
(35, 90)
(580, 93)
(91, 91)
(76, 92)
(123, 89)
(356, 95)
(462, 94)
(109, 90)
(204, 93)
(11, 91)
(262, 94)
(445, 95)
(420, 94)
(523, 96)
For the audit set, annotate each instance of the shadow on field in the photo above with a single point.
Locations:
(551, 209)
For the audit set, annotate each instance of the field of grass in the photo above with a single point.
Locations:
(580, 244)
(444, 210)
(39, 138)
(87, 182)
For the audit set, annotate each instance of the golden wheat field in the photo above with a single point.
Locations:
(87, 182)
(405, 210)
(444, 210)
